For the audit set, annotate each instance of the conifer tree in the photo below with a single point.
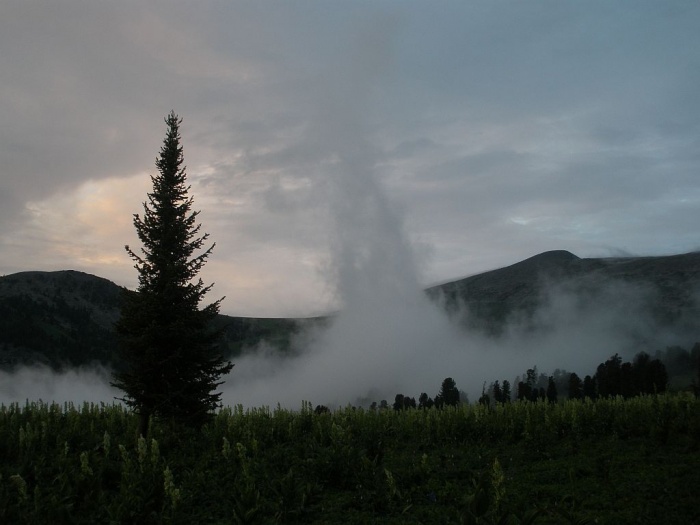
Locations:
(551, 390)
(424, 401)
(506, 391)
(449, 395)
(497, 392)
(590, 388)
(575, 387)
(172, 363)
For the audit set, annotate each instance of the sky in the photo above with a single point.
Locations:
(464, 136)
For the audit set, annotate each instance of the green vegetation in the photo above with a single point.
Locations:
(612, 460)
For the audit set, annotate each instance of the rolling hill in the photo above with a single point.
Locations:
(65, 318)
(669, 286)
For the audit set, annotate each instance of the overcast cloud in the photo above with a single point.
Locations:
(493, 131)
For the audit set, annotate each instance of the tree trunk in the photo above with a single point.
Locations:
(144, 418)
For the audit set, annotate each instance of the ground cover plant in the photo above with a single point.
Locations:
(611, 460)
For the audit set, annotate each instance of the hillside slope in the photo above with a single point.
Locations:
(670, 284)
(66, 318)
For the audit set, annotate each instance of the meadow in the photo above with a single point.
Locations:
(609, 461)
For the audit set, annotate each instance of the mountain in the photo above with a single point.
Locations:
(57, 318)
(66, 318)
(669, 284)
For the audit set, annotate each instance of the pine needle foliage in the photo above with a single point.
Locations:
(172, 360)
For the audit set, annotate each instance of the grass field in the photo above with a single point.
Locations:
(610, 461)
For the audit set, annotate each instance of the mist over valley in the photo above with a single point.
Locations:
(553, 311)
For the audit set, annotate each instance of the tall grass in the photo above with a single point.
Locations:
(85, 464)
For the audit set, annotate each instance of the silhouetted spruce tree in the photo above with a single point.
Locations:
(695, 359)
(628, 388)
(551, 390)
(497, 391)
(506, 391)
(539, 393)
(608, 377)
(575, 387)
(172, 361)
(424, 401)
(640, 368)
(656, 377)
(527, 390)
(590, 388)
(449, 394)
(650, 375)
(484, 399)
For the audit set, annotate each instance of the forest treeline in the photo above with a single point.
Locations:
(674, 368)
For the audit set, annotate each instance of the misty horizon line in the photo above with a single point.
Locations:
(332, 312)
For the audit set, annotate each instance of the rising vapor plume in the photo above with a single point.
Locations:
(387, 337)
(387, 333)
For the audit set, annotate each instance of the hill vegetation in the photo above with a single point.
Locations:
(66, 318)
(669, 287)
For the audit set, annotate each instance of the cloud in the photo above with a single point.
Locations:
(578, 122)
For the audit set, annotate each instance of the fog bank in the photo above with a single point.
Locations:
(39, 383)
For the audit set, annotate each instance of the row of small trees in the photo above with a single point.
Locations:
(614, 377)
(448, 395)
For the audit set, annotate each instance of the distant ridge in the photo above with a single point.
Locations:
(550, 258)
(494, 297)
(65, 318)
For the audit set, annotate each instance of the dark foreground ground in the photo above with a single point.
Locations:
(608, 462)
